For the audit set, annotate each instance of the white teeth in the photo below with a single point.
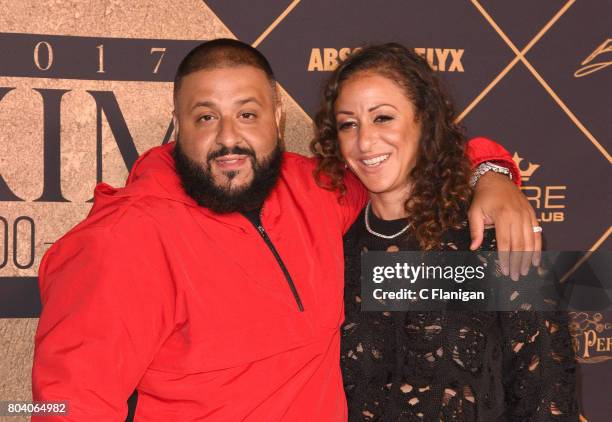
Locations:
(229, 161)
(375, 161)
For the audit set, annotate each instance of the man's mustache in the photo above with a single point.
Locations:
(237, 150)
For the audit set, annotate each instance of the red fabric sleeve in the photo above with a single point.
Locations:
(107, 308)
(482, 149)
(349, 205)
(353, 202)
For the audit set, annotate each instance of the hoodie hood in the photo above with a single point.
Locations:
(153, 174)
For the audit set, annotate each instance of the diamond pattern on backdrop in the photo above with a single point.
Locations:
(469, 53)
(246, 18)
(521, 19)
(563, 189)
(558, 58)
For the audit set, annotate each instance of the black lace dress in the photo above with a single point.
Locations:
(450, 366)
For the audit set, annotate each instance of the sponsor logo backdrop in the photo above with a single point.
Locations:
(85, 87)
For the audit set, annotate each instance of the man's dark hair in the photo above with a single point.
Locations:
(219, 53)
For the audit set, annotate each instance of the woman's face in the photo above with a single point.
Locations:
(377, 131)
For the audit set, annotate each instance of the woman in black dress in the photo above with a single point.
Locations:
(387, 119)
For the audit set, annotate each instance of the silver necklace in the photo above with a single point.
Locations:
(384, 236)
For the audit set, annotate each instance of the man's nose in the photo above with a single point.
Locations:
(227, 135)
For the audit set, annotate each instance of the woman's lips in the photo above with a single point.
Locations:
(373, 163)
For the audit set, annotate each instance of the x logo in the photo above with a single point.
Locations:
(520, 56)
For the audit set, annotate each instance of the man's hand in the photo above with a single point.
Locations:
(498, 201)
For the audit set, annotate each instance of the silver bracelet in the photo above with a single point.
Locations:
(485, 167)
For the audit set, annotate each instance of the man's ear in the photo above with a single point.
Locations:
(278, 106)
(278, 114)
(175, 124)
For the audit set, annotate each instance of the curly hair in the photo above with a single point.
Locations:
(440, 191)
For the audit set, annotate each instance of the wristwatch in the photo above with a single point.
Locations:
(485, 167)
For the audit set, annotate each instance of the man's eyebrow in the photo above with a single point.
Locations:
(248, 100)
(211, 104)
(203, 104)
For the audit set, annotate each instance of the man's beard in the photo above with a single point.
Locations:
(198, 181)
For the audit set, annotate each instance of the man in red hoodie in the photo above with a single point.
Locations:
(212, 283)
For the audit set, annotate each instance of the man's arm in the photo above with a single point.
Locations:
(481, 150)
(499, 201)
(106, 311)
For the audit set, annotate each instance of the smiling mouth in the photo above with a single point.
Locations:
(376, 161)
(231, 162)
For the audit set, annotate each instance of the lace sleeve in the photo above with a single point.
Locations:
(539, 372)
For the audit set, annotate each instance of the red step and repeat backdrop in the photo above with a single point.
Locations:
(85, 87)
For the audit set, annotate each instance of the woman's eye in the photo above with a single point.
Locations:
(382, 119)
(247, 115)
(346, 125)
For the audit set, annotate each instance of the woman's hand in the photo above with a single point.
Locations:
(500, 202)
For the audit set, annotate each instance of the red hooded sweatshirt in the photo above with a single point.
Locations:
(194, 309)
